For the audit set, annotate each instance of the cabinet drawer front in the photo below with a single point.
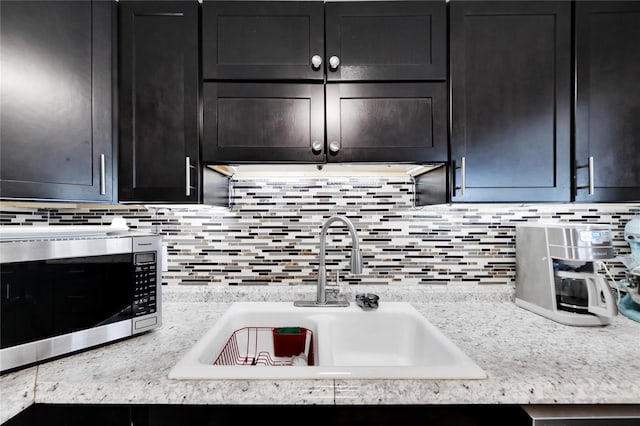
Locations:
(262, 122)
(262, 40)
(387, 122)
(387, 40)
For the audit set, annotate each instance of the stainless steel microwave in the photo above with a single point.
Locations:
(63, 295)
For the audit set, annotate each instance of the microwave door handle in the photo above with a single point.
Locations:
(597, 286)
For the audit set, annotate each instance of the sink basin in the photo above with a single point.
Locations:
(393, 342)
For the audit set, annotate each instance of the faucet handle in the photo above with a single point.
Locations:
(333, 289)
(332, 293)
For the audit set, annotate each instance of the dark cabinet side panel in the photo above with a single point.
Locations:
(608, 100)
(510, 76)
(384, 40)
(158, 98)
(263, 122)
(56, 100)
(403, 122)
(262, 40)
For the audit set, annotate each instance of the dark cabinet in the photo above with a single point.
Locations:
(287, 415)
(285, 122)
(263, 122)
(56, 100)
(267, 77)
(379, 40)
(365, 41)
(510, 100)
(158, 100)
(382, 105)
(74, 415)
(263, 98)
(607, 139)
(263, 40)
(338, 415)
(377, 122)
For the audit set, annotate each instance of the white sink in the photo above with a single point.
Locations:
(393, 342)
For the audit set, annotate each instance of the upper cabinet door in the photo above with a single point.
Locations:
(511, 97)
(608, 101)
(158, 97)
(263, 122)
(382, 122)
(263, 40)
(382, 40)
(56, 102)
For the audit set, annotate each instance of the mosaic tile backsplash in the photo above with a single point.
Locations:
(271, 234)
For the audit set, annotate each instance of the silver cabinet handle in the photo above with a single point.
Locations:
(463, 177)
(591, 185)
(316, 146)
(103, 179)
(591, 176)
(316, 61)
(334, 62)
(334, 146)
(188, 168)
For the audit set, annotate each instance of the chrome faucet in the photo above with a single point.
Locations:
(356, 264)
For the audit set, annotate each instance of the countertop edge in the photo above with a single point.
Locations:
(17, 392)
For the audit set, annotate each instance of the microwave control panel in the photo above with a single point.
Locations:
(145, 284)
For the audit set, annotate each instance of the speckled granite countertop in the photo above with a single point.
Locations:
(528, 359)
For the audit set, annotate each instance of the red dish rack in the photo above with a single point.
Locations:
(265, 346)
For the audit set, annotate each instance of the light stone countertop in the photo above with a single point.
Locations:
(528, 359)
(17, 392)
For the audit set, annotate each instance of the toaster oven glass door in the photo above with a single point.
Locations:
(47, 298)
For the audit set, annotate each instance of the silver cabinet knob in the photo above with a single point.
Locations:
(334, 146)
(316, 147)
(316, 61)
(334, 62)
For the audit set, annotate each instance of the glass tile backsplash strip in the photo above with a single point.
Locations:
(271, 234)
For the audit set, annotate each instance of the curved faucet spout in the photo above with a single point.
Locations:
(356, 255)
